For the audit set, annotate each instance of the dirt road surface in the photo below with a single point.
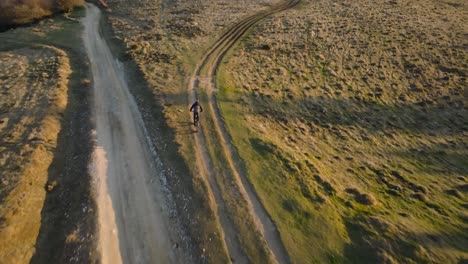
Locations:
(132, 217)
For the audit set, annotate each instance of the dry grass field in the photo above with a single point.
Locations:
(34, 96)
(46, 211)
(351, 119)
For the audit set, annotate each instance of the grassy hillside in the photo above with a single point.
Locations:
(351, 120)
(24, 11)
(46, 209)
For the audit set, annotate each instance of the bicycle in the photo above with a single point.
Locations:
(195, 107)
(196, 119)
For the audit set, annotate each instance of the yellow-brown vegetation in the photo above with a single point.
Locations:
(34, 98)
(24, 11)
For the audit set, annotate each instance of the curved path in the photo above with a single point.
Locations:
(207, 68)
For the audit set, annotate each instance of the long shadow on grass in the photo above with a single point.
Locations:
(373, 240)
(432, 118)
(438, 158)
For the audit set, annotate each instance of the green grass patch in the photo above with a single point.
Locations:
(311, 232)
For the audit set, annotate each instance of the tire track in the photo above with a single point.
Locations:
(208, 66)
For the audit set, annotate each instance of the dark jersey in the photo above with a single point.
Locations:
(195, 107)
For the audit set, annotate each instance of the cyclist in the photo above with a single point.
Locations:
(194, 108)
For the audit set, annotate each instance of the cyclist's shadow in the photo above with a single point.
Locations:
(187, 128)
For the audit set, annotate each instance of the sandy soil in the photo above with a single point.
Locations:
(34, 96)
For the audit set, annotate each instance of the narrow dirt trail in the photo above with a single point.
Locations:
(207, 70)
(133, 225)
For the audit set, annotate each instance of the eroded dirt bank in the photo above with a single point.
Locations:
(46, 209)
(28, 141)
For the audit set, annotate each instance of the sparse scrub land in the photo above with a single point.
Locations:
(46, 212)
(13, 12)
(351, 120)
(29, 126)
